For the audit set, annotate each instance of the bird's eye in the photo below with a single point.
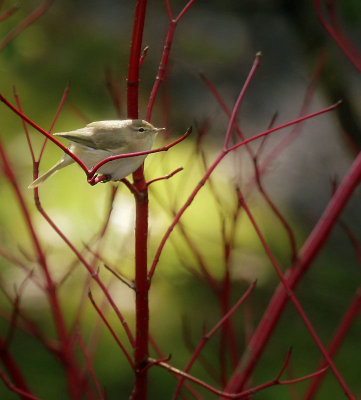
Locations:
(141, 130)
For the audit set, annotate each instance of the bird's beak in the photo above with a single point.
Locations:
(160, 129)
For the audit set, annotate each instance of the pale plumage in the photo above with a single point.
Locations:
(102, 139)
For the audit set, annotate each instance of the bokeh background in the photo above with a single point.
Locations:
(87, 43)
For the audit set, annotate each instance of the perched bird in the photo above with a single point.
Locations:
(102, 139)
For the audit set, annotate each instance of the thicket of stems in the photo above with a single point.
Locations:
(81, 374)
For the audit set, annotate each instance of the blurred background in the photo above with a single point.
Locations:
(87, 44)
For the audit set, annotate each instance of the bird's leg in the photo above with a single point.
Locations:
(98, 178)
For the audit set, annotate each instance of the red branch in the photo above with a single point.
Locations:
(134, 57)
(242, 395)
(163, 65)
(161, 178)
(111, 330)
(141, 350)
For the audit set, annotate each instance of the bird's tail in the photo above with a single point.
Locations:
(61, 164)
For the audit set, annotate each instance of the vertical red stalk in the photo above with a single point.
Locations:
(134, 57)
(141, 351)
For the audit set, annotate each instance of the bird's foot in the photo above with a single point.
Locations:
(98, 178)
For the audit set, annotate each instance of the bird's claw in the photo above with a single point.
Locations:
(98, 178)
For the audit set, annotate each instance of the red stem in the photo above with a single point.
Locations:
(224, 107)
(134, 57)
(239, 100)
(161, 178)
(163, 65)
(111, 330)
(185, 9)
(141, 350)
(162, 68)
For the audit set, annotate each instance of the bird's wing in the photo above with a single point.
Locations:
(97, 136)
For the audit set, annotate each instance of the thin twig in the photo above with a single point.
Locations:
(244, 394)
(130, 285)
(111, 330)
(165, 176)
(164, 62)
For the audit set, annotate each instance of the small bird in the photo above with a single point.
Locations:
(101, 139)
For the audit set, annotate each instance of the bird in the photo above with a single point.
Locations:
(101, 139)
